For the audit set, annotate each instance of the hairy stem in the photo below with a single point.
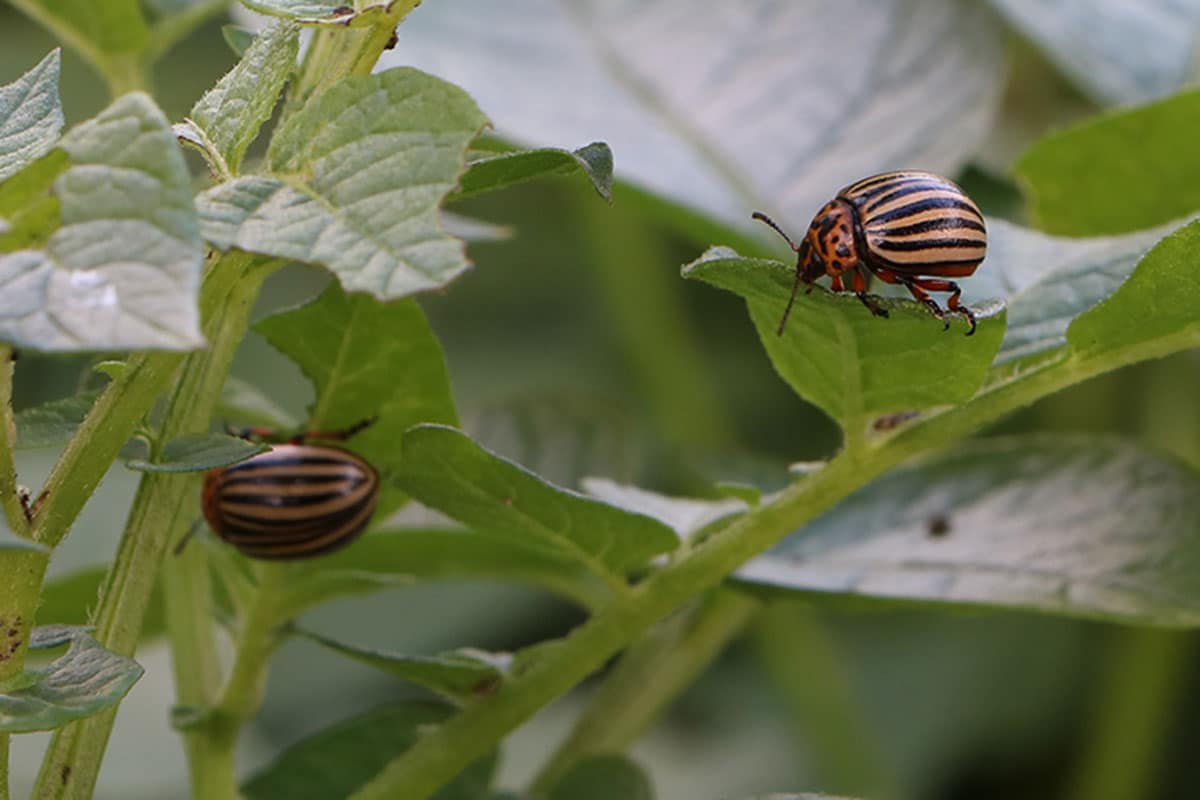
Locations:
(14, 511)
(160, 507)
(240, 700)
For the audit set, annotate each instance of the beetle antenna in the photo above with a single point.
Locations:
(187, 537)
(761, 217)
(792, 299)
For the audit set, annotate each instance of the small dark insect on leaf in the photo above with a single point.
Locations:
(341, 11)
(938, 526)
(392, 42)
(889, 422)
(485, 686)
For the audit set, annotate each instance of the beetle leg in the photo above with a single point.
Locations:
(941, 285)
(835, 283)
(860, 289)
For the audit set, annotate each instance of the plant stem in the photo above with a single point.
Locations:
(807, 670)
(556, 667)
(160, 507)
(240, 700)
(650, 675)
(336, 52)
(1137, 705)
(91, 451)
(14, 511)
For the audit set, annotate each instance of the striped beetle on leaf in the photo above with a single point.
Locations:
(297, 500)
(902, 227)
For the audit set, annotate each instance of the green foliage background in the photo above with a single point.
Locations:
(544, 342)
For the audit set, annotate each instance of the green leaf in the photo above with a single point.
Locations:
(337, 761)
(1117, 52)
(603, 777)
(113, 26)
(31, 116)
(1048, 281)
(67, 599)
(85, 680)
(1149, 176)
(685, 515)
(232, 112)
(359, 174)
(1157, 302)
(736, 113)
(1073, 526)
(53, 423)
(123, 270)
(243, 403)
(849, 363)
(389, 557)
(499, 171)
(197, 452)
(366, 360)
(448, 472)
(458, 675)
(28, 205)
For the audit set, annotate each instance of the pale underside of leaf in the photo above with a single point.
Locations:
(740, 106)
(1117, 52)
(1085, 527)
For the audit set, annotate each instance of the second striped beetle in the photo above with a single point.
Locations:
(299, 500)
(903, 227)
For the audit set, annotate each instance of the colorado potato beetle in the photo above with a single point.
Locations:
(901, 226)
(298, 500)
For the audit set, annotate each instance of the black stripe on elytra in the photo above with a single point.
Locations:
(898, 214)
(943, 223)
(925, 244)
(880, 183)
(906, 188)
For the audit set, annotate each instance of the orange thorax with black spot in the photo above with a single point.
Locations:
(830, 240)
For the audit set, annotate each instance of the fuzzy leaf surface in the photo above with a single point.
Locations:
(232, 112)
(31, 116)
(83, 681)
(357, 178)
(123, 269)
